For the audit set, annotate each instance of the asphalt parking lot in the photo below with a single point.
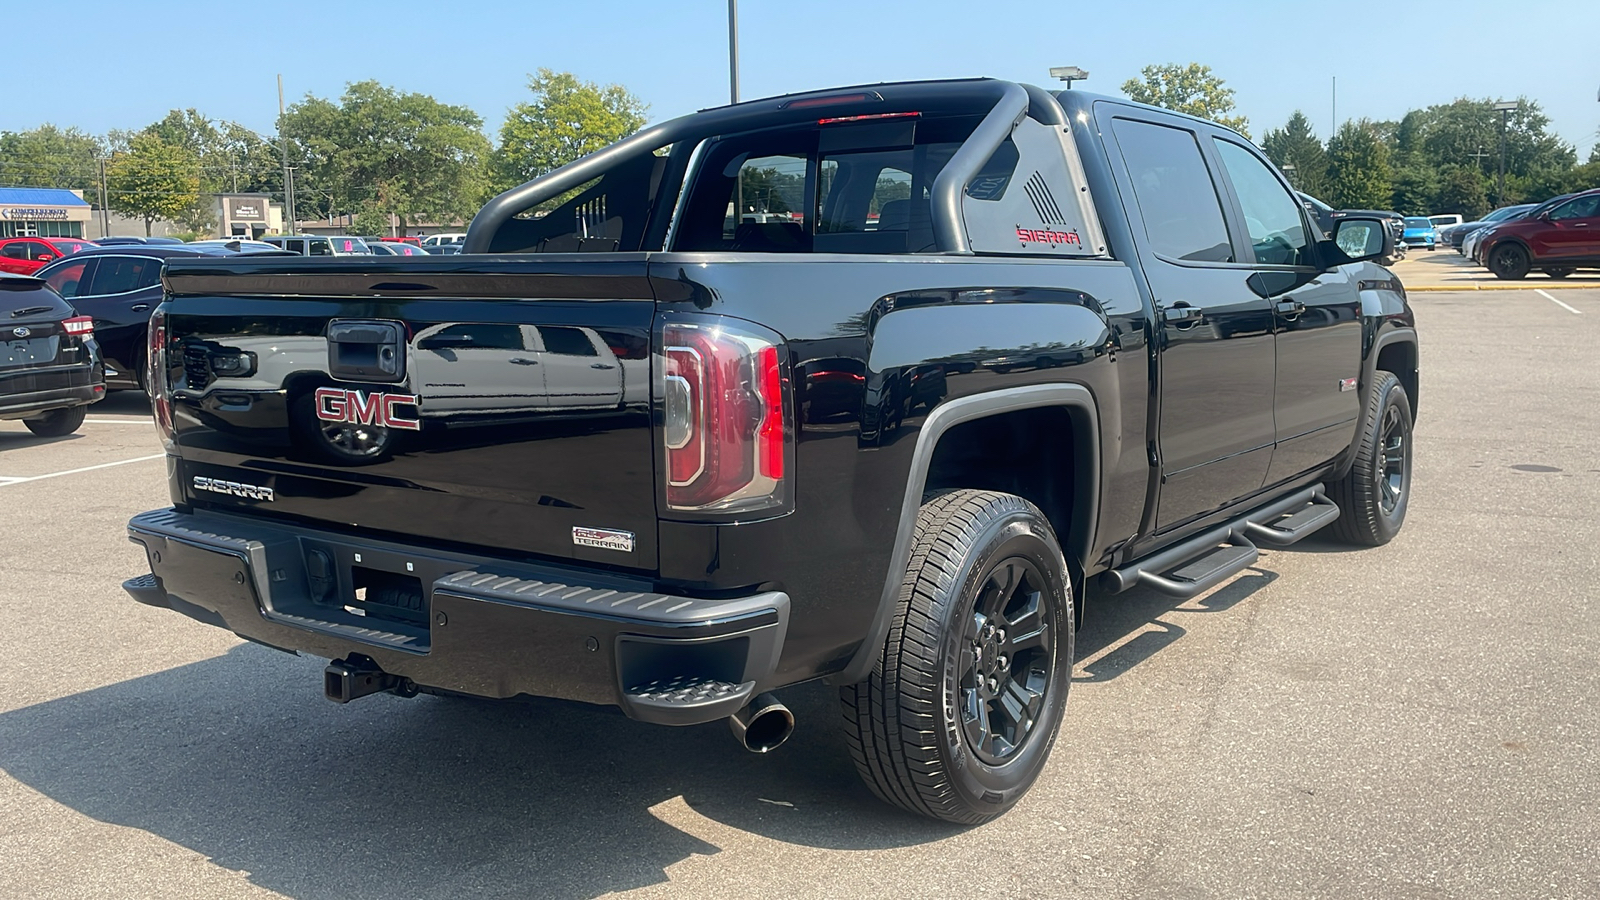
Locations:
(1417, 720)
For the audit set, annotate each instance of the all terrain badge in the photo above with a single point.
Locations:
(604, 538)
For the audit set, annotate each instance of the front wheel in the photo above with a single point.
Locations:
(963, 705)
(57, 422)
(1372, 497)
(1509, 262)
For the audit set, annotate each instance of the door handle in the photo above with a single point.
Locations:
(601, 366)
(140, 307)
(1181, 314)
(1290, 308)
(1580, 224)
(523, 361)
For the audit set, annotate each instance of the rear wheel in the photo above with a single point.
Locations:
(963, 705)
(1372, 497)
(57, 422)
(1510, 262)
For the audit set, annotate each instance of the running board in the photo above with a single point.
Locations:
(1197, 565)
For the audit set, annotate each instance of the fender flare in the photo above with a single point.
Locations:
(1086, 447)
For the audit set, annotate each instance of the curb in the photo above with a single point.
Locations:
(1502, 287)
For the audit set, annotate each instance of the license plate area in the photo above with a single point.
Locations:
(31, 351)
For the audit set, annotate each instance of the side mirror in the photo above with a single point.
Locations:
(45, 257)
(1361, 239)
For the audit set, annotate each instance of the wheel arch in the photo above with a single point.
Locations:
(1045, 402)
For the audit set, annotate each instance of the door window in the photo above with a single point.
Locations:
(66, 279)
(121, 274)
(567, 342)
(15, 250)
(477, 336)
(1581, 208)
(1176, 197)
(321, 247)
(1277, 231)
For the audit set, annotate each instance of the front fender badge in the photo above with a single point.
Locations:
(1347, 384)
(604, 538)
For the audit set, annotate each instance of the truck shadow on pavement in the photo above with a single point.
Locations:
(240, 759)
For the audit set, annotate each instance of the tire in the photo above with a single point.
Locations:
(925, 735)
(342, 444)
(57, 422)
(1510, 261)
(1373, 496)
(1560, 271)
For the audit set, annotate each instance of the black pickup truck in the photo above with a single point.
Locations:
(868, 384)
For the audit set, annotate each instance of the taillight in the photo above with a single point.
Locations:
(726, 427)
(82, 326)
(156, 378)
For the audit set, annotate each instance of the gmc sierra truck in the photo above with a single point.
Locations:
(867, 385)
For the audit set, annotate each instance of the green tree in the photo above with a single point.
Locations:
(1467, 132)
(1415, 186)
(381, 153)
(566, 119)
(152, 180)
(1191, 89)
(1461, 191)
(48, 156)
(1295, 144)
(1358, 168)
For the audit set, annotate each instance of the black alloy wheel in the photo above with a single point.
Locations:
(962, 707)
(1373, 496)
(1006, 661)
(1510, 262)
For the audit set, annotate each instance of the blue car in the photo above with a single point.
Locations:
(1419, 232)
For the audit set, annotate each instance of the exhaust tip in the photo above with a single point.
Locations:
(762, 726)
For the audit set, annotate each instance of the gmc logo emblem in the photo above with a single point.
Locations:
(362, 408)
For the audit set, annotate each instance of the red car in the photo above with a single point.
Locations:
(1557, 240)
(26, 255)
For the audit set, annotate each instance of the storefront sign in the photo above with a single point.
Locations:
(34, 213)
(246, 210)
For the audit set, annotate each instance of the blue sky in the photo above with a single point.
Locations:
(131, 62)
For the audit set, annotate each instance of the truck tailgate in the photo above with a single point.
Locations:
(486, 401)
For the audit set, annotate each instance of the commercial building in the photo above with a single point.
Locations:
(42, 212)
(247, 215)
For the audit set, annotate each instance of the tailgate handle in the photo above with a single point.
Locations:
(366, 350)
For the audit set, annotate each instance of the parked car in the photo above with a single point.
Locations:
(1105, 347)
(27, 255)
(1472, 247)
(1557, 238)
(443, 249)
(444, 237)
(1441, 222)
(1456, 235)
(320, 245)
(394, 248)
(1419, 232)
(50, 368)
(115, 240)
(1320, 212)
(118, 286)
(236, 245)
(414, 241)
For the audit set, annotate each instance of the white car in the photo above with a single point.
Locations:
(319, 245)
(1441, 222)
(478, 367)
(450, 237)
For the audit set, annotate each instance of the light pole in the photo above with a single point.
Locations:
(1504, 109)
(1069, 74)
(733, 51)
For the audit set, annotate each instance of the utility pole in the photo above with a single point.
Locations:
(288, 173)
(733, 51)
(1333, 113)
(105, 197)
(1504, 109)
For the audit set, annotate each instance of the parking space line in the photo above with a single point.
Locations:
(7, 480)
(1546, 294)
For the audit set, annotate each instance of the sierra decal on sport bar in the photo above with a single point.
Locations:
(362, 408)
(1043, 236)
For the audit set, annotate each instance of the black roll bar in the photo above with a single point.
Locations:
(1012, 102)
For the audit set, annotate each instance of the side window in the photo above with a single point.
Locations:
(567, 341)
(41, 250)
(1581, 208)
(1277, 231)
(15, 250)
(67, 279)
(120, 274)
(1177, 199)
(771, 205)
(320, 247)
(484, 336)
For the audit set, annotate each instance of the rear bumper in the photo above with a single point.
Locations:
(31, 403)
(475, 625)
